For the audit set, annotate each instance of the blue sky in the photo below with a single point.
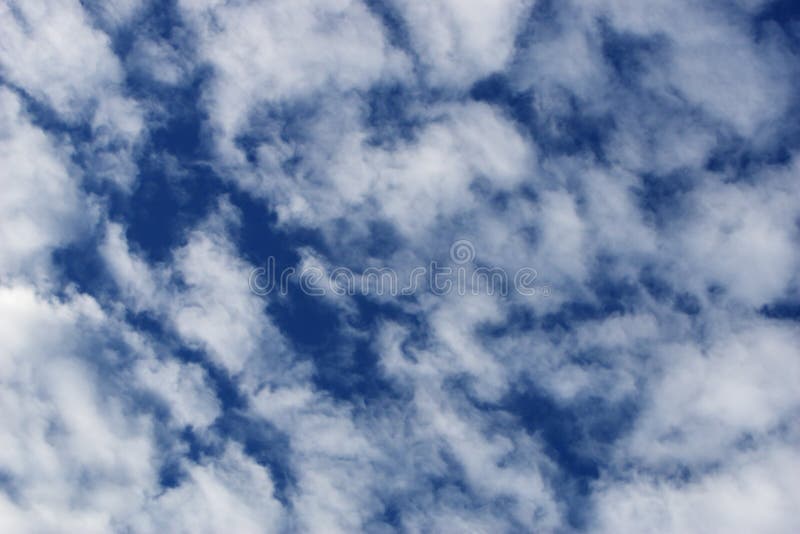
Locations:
(640, 157)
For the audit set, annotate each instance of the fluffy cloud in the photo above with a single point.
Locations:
(460, 42)
(42, 206)
(642, 158)
(51, 51)
(228, 492)
(756, 492)
(282, 51)
(74, 456)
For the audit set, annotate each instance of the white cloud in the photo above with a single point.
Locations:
(114, 14)
(184, 388)
(229, 492)
(739, 237)
(158, 60)
(74, 455)
(412, 185)
(283, 51)
(41, 207)
(713, 60)
(705, 401)
(460, 41)
(756, 492)
(51, 51)
(136, 280)
(714, 389)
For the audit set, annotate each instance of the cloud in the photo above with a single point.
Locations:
(42, 206)
(74, 456)
(754, 492)
(46, 48)
(230, 491)
(642, 158)
(705, 402)
(269, 53)
(461, 42)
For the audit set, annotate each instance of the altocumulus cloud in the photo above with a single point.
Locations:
(642, 157)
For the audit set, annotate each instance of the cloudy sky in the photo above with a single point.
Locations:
(639, 159)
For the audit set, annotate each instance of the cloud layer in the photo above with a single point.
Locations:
(641, 157)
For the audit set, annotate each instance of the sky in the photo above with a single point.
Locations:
(628, 170)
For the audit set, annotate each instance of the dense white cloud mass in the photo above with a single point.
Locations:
(41, 206)
(74, 457)
(642, 157)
